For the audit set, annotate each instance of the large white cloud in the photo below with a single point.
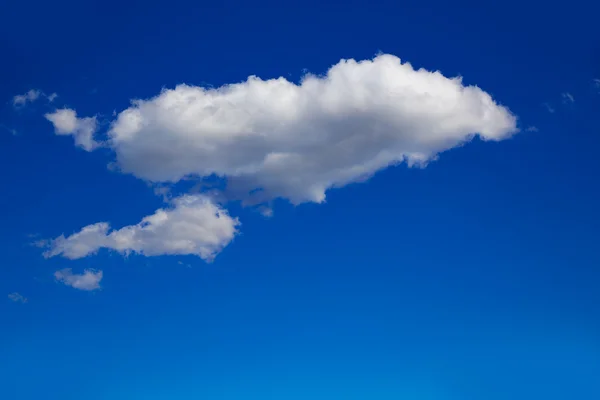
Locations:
(88, 280)
(193, 225)
(275, 138)
(66, 122)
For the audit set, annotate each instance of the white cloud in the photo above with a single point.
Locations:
(66, 122)
(297, 141)
(266, 211)
(532, 128)
(568, 98)
(17, 297)
(596, 82)
(276, 139)
(31, 96)
(193, 225)
(89, 280)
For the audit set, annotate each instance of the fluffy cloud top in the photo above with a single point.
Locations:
(194, 225)
(66, 122)
(89, 280)
(31, 96)
(278, 139)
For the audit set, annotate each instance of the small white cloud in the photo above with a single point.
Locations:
(41, 243)
(66, 122)
(596, 83)
(32, 95)
(17, 297)
(266, 211)
(194, 225)
(532, 129)
(568, 98)
(89, 280)
(29, 97)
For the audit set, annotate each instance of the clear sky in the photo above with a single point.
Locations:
(346, 224)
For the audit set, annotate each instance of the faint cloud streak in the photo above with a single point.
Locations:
(549, 108)
(568, 98)
(31, 96)
(17, 298)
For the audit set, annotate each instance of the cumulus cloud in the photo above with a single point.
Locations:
(88, 280)
(268, 139)
(275, 138)
(31, 96)
(17, 297)
(193, 225)
(66, 122)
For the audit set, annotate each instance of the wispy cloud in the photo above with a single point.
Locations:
(89, 280)
(29, 97)
(266, 211)
(532, 129)
(32, 95)
(549, 108)
(568, 98)
(596, 83)
(17, 297)
(163, 191)
(11, 130)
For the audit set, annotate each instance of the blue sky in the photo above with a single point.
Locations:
(317, 265)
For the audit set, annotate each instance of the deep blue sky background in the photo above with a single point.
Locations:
(475, 278)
